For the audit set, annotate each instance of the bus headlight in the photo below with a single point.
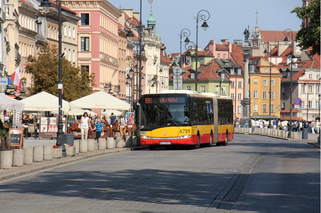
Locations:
(184, 136)
(145, 137)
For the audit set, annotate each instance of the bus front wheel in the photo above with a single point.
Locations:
(196, 146)
(226, 139)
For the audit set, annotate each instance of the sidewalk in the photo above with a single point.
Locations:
(13, 172)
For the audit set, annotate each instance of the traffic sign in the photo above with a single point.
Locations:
(177, 71)
(297, 101)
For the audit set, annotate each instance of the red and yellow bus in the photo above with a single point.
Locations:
(184, 117)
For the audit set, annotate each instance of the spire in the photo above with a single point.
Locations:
(151, 21)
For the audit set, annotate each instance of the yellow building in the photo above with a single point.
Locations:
(260, 89)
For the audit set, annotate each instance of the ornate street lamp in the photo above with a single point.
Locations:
(287, 32)
(202, 15)
(266, 51)
(185, 33)
(60, 133)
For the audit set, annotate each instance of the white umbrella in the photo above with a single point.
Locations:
(116, 112)
(7, 103)
(90, 112)
(100, 100)
(44, 101)
(75, 111)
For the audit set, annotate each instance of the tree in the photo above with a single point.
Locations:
(309, 36)
(44, 68)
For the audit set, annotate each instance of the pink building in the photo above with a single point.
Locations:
(98, 42)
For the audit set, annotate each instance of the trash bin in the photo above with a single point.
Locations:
(69, 139)
(305, 133)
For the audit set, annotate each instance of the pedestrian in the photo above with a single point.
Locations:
(112, 119)
(84, 126)
(98, 128)
(122, 128)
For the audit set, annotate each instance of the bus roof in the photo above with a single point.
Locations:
(193, 93)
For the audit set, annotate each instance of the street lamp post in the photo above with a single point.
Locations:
(270, 62)
(185, 33)
(46, 3)
(203, 15)
(287, 32)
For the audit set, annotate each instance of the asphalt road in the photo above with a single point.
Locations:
(251, 174)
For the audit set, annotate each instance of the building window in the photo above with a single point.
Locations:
(223, 90)
(233, 96)
(310, 76)
(65, 30)
(239, 109)
(232, 84)
(317, 88)
(310, 104)
(255, 108)
(84, 43)
(85, 69)
(239, 96)
(188, 87)
(264, 95)
(85, 19)
(272, 82)
(317, 104)
(303, 104)
(255, 94)
(192, 75)
(272, 95)
(310, 88)
(264, 108)
(283, 105)
(302, 88)
(272, 107)
(73, 33)
(255, 81)
(202, 88)
(266, 70)
(239, 84)
(218, 56)
(69, 32)
(224, 56)
(264, 82)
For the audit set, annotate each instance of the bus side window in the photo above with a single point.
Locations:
(194, 106)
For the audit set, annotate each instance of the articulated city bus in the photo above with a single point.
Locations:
(184, 117)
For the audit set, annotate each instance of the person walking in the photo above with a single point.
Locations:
(98, 128)
(122, 126)
(84, 126)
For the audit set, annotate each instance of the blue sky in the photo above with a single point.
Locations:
(228, 18)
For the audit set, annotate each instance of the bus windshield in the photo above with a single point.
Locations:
(161, 112)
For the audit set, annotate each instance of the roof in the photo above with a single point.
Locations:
(273, 35)
(26, 2)
(201, 53)
(221, 47)
(164, 57)
(237, 55)
(208, 72)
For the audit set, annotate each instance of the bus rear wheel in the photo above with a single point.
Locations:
(226, 139)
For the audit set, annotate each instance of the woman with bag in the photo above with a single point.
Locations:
(84, 126)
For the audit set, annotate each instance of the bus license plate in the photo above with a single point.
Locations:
(165, 143)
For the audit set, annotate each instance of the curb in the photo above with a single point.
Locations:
(20, 171)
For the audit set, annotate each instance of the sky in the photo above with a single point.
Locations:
(228, 18)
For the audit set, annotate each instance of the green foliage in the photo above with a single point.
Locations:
(44, 68)
(310, 35)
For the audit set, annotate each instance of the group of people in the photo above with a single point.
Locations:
(87, 123)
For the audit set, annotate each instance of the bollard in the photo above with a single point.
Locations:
(101, 143)
(18, 155)
(47, 152)
(128, 141)
(70, 151)
(57, 153)
(120, 143)
(76, 144)
(6, 159)
(83, 146)
(38, 153)
(28, 156)
(91, 145)
(110, 143)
